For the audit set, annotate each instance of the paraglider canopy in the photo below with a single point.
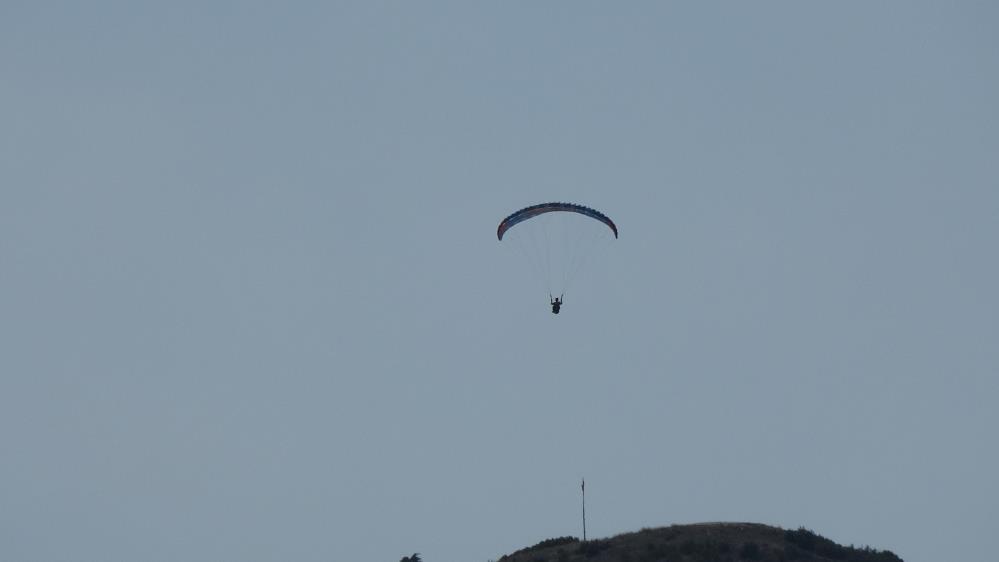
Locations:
(535, 210)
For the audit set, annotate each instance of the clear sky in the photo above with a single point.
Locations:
(252, 305)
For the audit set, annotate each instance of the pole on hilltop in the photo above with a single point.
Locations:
(583, 488)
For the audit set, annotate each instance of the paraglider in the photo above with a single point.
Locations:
(556, 244)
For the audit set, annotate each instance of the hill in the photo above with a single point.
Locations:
(702, 542)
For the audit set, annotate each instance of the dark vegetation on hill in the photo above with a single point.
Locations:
(704, 542)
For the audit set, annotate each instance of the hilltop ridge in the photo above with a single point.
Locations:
(702, 542)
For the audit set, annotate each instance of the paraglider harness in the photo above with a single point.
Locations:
(555, 302)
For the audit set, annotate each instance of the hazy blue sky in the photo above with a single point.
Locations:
(252, 306)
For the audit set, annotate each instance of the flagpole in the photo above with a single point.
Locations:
(583, 488)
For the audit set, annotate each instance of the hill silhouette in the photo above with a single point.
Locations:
(702, 542)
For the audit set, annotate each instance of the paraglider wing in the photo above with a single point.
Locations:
(535, 210)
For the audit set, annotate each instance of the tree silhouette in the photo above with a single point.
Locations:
(414, 558)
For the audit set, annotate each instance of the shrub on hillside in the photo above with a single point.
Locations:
(590, 549)
(547, 543)
(816, 544)
(750, 551)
